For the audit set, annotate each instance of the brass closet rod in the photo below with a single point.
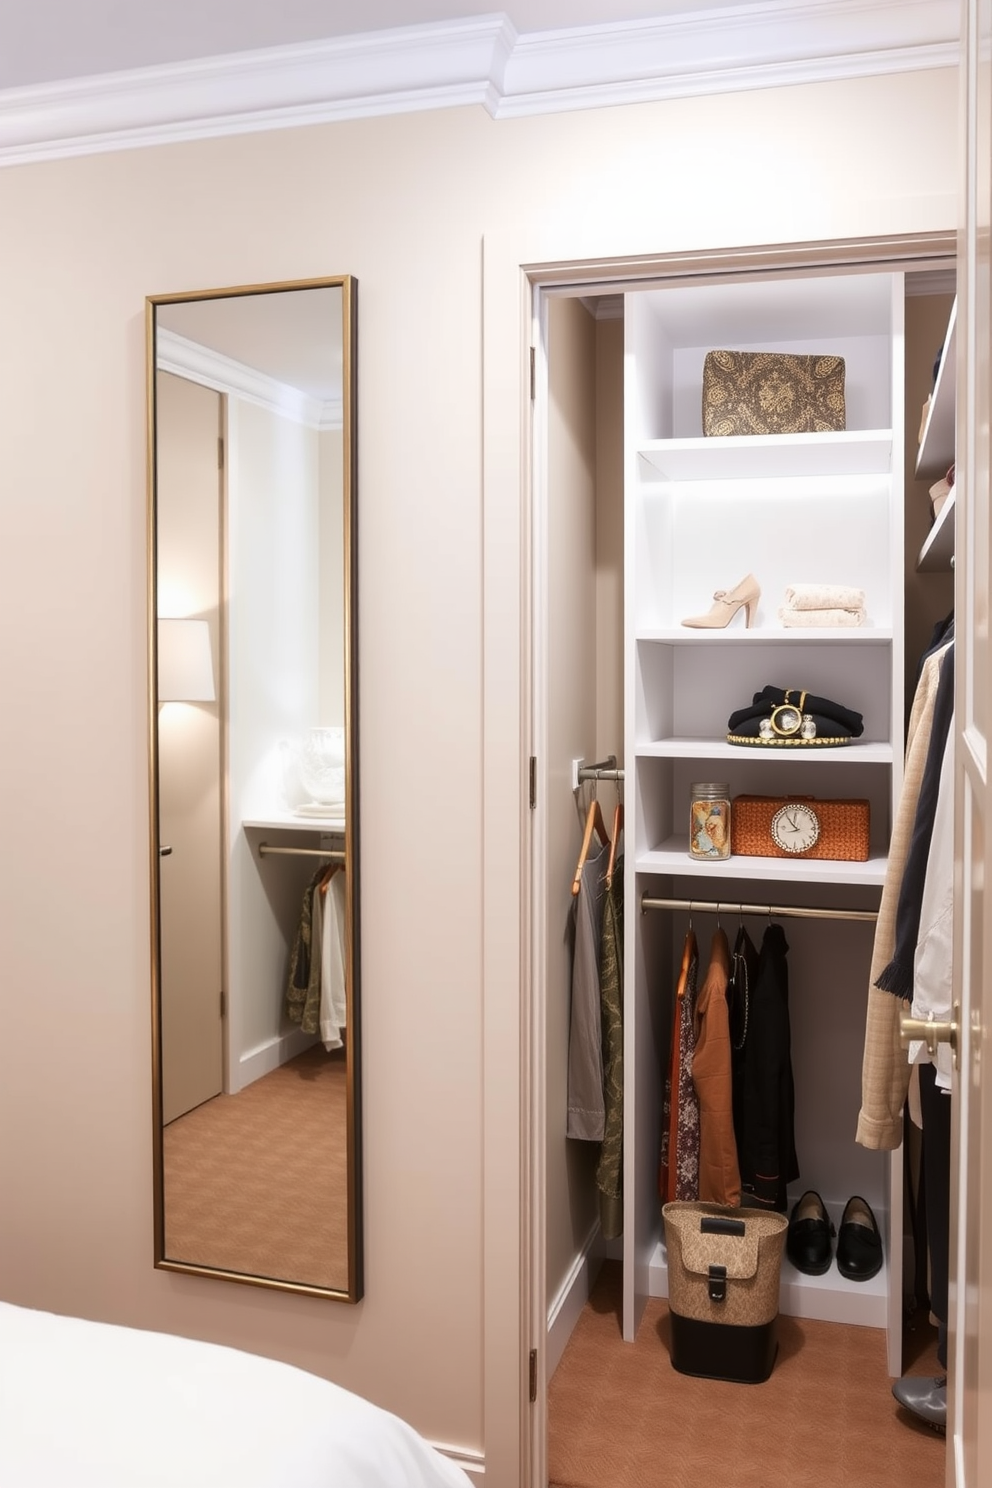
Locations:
(772, 911)
(265, 851)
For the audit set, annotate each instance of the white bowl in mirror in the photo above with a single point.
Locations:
(322, 765)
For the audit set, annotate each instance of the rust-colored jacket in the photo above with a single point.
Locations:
(719, 1174)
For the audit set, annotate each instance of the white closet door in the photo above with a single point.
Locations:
(969, 1457)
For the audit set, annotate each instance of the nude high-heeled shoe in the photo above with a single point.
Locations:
(726, 603)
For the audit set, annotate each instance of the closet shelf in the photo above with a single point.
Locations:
(763, 635)
(755, 456)
(829, 1297)
(937, 553)
(936, 451)
(716, 749)
(672, 858)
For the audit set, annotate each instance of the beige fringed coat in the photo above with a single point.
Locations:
(886, 1069)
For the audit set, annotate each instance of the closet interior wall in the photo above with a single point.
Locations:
(583, 656)
(585, 653)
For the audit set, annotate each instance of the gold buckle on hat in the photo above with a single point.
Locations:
(786, 719)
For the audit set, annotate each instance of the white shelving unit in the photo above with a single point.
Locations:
(936, 454)
(700, 514)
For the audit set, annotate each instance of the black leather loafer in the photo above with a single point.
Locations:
(859, 1245)
(808, 1243)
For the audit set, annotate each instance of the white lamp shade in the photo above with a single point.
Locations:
(185, 665)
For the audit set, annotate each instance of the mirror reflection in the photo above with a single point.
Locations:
(254, 784)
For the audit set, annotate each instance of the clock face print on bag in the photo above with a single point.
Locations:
(795, 827)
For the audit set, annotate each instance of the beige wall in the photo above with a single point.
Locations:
(404, 204)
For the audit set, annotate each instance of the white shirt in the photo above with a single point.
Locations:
(932, 988)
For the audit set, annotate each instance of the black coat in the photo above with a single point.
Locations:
(764, 1093)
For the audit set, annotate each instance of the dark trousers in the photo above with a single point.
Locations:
(936, 1160)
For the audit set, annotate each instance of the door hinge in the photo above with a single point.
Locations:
(533, 1375)
(220, 452)
(533, 781)
(533, 373)
(223, 1002)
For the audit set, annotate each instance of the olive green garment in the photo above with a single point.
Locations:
(609, 1170)
(303, 985)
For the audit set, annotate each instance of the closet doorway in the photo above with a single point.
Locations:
(578, 720)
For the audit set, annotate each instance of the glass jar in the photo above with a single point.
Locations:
(709, 820)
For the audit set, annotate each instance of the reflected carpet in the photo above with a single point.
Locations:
(256, 1182)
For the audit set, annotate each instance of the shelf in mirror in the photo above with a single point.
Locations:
(287, 821)
(672, 858)
(755, 456)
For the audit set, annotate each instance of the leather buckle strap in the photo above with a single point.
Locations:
(718, 1283)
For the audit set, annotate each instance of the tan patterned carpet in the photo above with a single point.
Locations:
(256, 1182)
(621, 1417)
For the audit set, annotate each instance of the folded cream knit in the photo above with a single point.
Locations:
(820, 617)
(824, 597)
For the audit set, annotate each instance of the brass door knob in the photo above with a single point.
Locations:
(929, 1032)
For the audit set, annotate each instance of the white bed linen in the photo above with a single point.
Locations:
(94, 1405)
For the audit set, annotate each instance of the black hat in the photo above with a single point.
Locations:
(792, 718)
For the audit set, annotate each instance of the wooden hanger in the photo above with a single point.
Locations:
(594, 823)
(614, 843)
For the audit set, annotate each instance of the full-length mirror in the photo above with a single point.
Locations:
(254, 784)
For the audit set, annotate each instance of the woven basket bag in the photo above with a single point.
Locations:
(752, 1262)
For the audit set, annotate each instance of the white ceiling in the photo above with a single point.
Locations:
(45, 41)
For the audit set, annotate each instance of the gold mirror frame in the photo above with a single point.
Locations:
(349, 1287)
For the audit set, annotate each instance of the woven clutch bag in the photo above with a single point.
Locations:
(771, 392)
(843, 827)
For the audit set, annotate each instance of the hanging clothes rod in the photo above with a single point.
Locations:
(772, 911)
(604, 770)
(335, 854)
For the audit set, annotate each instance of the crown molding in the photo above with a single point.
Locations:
(763, 44)
(185, 358)
(480, 60)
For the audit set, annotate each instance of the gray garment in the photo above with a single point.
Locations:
(586, 1105)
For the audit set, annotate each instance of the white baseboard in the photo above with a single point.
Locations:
(269, 1056)
(563, 1314)
(473, 1465)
